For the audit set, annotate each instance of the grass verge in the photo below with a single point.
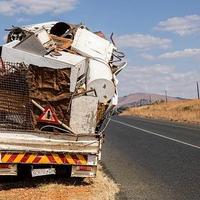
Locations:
(187, 111)
(54, 188)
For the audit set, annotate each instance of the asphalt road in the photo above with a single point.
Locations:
(153, 160)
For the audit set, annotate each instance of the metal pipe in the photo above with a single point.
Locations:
(61, 123)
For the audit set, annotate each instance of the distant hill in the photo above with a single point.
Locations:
(137, 99)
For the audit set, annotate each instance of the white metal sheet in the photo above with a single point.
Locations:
(64, 60)
(43, 36)
(84, 121)
(91, 45)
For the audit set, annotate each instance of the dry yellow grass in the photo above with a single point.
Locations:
(54, 188)
(187, 111)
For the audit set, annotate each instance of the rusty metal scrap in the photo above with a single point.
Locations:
(50, 86)
(61, 43)
(61, 65)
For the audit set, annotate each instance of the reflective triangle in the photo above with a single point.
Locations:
(48, 116)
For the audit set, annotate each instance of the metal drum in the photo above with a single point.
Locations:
(100, 78)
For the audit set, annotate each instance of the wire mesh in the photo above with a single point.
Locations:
(15, 106)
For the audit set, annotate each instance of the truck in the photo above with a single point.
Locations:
(58, 90)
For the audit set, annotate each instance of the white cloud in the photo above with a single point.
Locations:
(157, 79)
(22, 19)
(186, 53)
(181, 54)
(35, 7)
(148, 57)
(186, 25)
(142, 41)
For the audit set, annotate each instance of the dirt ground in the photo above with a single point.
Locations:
(56, 188)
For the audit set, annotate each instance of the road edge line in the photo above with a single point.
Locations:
(153, 133)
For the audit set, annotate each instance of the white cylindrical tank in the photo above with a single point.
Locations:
(100, 78)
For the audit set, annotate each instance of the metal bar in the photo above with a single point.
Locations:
(61, 123)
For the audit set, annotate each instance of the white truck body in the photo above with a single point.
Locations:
(57, 89)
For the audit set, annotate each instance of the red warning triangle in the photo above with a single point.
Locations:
(48, 116)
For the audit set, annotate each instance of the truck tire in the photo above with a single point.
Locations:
(63, 171)
(24, 171)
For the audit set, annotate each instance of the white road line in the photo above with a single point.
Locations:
(165, 124)
(153, 133)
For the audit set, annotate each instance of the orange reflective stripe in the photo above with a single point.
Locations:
(50, 158)
(44, 160)
(82, 159)
(18, 158)
(69, 159)
(57, 159)
(30, 159)
(5, 158)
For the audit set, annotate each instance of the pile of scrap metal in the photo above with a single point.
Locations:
(58, 77)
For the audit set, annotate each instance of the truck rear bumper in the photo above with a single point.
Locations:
(48, 158)
(51, 150)
(80, 165)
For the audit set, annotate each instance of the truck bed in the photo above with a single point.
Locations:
(25, 141)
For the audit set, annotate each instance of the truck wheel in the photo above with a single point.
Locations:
(24, 171)
(63, 171)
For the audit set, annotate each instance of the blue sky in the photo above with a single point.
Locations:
(161, 38)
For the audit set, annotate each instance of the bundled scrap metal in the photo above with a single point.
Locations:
(58, 77)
